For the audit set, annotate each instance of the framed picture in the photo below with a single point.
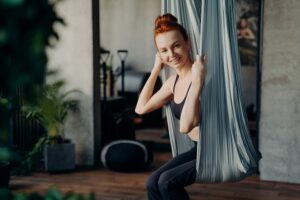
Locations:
(248, 25)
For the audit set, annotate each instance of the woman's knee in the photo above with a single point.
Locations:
(152, 182)
(170, 189)
(165, 183)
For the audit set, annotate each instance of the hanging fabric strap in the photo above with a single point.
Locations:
(225, 152)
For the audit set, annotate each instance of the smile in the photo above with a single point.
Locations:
(176, 61)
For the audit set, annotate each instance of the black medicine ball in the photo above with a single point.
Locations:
(126, 156)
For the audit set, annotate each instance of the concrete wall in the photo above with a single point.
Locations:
(280, 99)
(129, 24)
(72, 55)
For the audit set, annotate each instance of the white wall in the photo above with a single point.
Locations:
(129, 24)
(72, 55)
(280, 99)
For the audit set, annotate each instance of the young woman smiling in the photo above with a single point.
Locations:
(182, 92)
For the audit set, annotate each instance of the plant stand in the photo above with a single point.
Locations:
(59, 157)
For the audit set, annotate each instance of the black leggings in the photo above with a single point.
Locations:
(169, 180)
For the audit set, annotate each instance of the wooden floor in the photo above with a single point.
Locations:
(109, 185)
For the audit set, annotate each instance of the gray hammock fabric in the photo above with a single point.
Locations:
(225, 152)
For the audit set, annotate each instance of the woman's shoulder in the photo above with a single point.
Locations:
(172, 77)
(170, 81)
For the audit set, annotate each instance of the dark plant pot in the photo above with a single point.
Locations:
(59, 157)
(4, 173)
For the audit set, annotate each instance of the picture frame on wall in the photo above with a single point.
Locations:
(248, 30)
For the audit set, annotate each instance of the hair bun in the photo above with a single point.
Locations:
(165, 19)
(168, 22)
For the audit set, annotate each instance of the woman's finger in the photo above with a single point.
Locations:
(204, 59)
(198, 58)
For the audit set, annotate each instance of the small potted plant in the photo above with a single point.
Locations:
(5, 157)
(8, 158)
(5, 153)
(50, 109)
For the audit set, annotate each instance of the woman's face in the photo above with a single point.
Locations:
(243, 23)
(173, 49)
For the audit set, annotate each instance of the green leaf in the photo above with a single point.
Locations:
(20, 197)
(7, 154)
(5, 194)
(53, 194)
(3, 36)
(35, 196)
(4, 101)
(11, 3)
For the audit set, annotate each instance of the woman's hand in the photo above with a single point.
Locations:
(158, 64)
(190, 116)
(199, 70)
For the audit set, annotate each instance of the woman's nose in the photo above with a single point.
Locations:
(171, 54)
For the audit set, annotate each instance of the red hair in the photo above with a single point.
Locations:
(168, 22)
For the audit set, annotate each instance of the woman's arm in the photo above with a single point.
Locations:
(194, 133)
(148, 101)
(190, 116)
(249, 34)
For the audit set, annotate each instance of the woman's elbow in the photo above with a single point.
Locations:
(185, 128)
(141, 110)
(138, 111)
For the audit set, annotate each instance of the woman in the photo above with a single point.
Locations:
(243, 30)
(182, 91)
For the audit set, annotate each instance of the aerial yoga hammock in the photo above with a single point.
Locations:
(225, 152)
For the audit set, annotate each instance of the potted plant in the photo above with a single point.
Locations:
(8, 159)
(25, 30)
(8, 156)
(5, 156)
(50, 109)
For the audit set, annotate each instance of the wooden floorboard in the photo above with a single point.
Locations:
(109, 185)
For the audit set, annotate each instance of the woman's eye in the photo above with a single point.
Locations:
(177, 45)
(163, 51)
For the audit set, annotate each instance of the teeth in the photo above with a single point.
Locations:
(176, 60)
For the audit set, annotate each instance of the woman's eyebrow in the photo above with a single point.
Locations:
(174, 43)
(162, 48)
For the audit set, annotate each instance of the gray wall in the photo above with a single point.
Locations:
(129, 24)
(72, 55)
(280, 99)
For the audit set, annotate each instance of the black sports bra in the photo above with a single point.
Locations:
(177, 107)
